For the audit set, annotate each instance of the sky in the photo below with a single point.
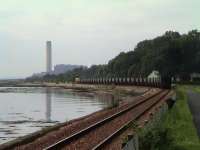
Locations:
(83, 32)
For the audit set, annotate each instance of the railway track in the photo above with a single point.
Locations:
(106, 129)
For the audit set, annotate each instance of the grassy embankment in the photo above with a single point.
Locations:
(177, 131)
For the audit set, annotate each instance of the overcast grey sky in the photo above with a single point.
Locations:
(83, 31)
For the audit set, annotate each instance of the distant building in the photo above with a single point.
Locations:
(39, 74)
(59, 69)
(48, 57)
(77, 80)
(154, 74)
(195, 77)
(62, 68)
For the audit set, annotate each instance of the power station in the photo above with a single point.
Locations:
(48, 57)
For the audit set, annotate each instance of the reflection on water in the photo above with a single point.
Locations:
(25, 110)
(48, 105)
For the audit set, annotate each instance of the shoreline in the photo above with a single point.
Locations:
(95, 90)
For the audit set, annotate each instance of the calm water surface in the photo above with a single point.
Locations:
(25, 110)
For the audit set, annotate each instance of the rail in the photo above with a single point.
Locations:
(83, 132)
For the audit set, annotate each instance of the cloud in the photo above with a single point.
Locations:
(84, 31)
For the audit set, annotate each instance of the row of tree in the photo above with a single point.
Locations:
(172, 54)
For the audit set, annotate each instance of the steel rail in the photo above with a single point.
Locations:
(125, 126)
(84, 131)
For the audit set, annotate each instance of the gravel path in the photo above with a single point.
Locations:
(194, 105)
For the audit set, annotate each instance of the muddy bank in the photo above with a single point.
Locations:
(131, 90)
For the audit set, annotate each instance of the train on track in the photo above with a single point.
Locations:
(164, 82)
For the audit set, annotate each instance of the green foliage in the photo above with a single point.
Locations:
(180, 123)
(157, 138)
(176, 132)
(172, 54)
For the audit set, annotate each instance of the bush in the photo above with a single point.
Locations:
(156, 138)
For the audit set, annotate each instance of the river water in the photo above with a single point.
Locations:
(25, 110)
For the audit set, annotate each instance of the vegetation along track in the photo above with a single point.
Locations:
(98, 134)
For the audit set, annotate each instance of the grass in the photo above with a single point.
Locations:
(195, 88)
(177, 131)
(180, 123)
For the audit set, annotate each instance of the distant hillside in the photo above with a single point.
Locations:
(172, 54)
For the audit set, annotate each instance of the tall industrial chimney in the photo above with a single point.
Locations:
(49, 57)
